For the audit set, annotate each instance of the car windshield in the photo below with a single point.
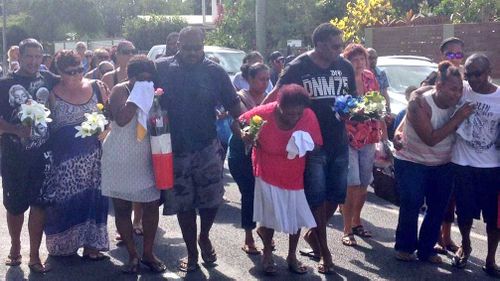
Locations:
(402, 76)
(230, 61)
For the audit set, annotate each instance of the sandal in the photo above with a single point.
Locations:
(361, 232)
(154, 266)
(269, 267)
(492, 270)
(38, 267)
(132, 267)
(306, 252)
(403, 256)
(250, 250)
(438, 249)
(95, 257)
(13, 261)
(207, 252)
(326, 269)
(138, 230)
(348, 240)
(459, 260)
(296, 267)
(185, 266)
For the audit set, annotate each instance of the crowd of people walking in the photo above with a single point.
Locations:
(294, 171)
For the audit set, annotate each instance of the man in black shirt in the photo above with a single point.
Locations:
(25, 156)
(325, 75)
(193, 86)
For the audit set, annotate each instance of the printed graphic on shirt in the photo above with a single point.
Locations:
(480, 129)
(18, 95)
(320, 87)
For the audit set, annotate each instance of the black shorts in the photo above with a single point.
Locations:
(23, 175)
(476, 192)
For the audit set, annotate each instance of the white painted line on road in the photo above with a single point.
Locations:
(420, 219)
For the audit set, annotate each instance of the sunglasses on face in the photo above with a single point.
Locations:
(103, 57)
(72, 72)
(475, 74)
(452, 55)
(192, 47)
(128, 52)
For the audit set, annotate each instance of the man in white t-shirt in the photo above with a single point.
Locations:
(477, 162)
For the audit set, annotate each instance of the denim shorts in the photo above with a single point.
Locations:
(325, 177)
(361, 165)
(476, 192)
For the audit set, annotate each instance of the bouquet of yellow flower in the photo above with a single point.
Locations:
(94, 123)
(253, 130)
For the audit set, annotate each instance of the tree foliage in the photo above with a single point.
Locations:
(152, 31)
(465, 11)
(361, 14)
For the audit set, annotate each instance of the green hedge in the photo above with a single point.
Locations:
(145, 33)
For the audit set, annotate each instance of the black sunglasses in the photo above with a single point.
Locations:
(452, 55)
(473, 73)
(128, 52)
(192, 47)
(73, 72)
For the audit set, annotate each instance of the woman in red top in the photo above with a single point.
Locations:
(279, 201)
(361, 159)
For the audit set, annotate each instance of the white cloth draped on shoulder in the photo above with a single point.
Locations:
(281, 209)
(299, 144)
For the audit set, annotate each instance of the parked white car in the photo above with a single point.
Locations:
(230, 59)
(402, 72)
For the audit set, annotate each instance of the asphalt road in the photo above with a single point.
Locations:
(372, 259)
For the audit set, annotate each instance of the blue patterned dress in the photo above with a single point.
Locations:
(77, 212)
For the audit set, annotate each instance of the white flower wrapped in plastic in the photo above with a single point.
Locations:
(34, 113)
(94, 124)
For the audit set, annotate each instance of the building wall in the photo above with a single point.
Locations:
(424, 40)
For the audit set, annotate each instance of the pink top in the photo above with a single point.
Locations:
(370, 82)
(270, 160)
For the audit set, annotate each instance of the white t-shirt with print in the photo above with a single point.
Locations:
(476, 136)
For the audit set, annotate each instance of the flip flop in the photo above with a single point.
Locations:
(326, 269)
(184, 266)
(207, 252)
(307, 252)
(95, 257)
(154, 266)
(13, 261)
(297, 267)
(138, 231)
(459, 260)
(348, 240)
(132, 267)
(270, 267)
(440, 249)
(39, 267)
(250, 250)
(492, 271)
(361, 232)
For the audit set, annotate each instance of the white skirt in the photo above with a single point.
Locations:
(281, 209)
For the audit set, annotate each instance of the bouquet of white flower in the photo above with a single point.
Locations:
(34, 113)
(94, 124)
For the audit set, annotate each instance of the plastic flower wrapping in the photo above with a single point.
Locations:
(94, 124)
(34, 113)
(362, 117)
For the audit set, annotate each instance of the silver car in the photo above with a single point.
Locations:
(230, 59)
(402, 72)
